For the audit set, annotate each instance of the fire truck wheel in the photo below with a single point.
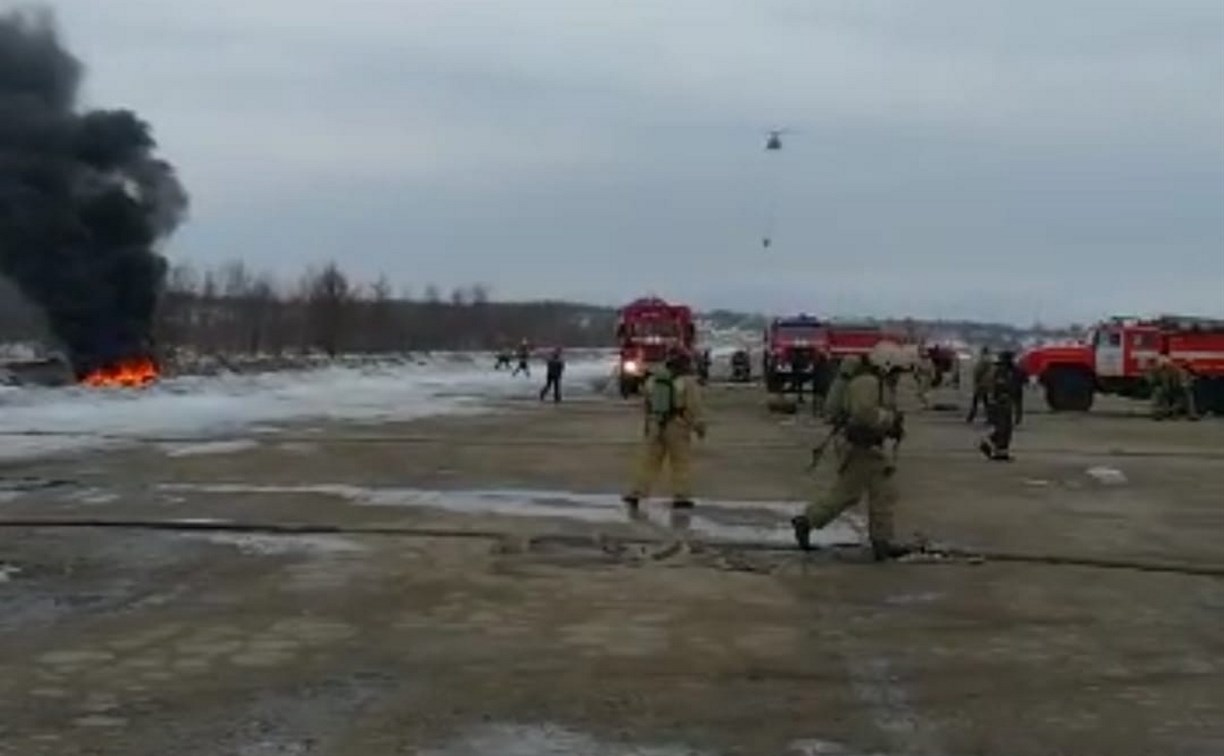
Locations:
(1209, 396)
(1069, 389)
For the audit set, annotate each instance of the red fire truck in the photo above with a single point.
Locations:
(1118, 355)
(645, 330)
(808, 348)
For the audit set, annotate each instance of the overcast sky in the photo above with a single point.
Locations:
(1054, 159)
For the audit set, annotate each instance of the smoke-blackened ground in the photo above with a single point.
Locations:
(536, 627)
(84, 200)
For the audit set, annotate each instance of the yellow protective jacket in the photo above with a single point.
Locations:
(869, 409)
(981, 374)
(835, 399)
(686, 398)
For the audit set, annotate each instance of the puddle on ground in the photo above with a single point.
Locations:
(25, 485)
(715, 520)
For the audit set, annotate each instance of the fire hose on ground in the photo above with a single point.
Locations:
(940, 554)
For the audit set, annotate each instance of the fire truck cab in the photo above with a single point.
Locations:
(1118, 356)
(806, 348)
(796, 348)
(645, 330)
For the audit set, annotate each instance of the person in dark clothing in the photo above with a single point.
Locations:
(823, 372)
(1001, 382)
(524, 357)
(741, 366)
(981, 373)
(801, 366)
(555, 368)
(503, 360)
(703, 367)
(1019, 381)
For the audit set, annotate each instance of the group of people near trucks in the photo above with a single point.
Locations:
(867, 426)
(861, 404)
(554, 367)
(867, 429)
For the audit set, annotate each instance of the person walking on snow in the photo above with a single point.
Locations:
(524, 358)
(555, 367)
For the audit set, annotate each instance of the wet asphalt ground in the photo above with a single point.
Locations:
(472, 586)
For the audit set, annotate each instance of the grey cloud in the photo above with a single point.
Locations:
(988, 158)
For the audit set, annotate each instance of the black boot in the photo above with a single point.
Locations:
(985, 449)
(886, 550)
(631, 500)
(803, 532)
(682, 503)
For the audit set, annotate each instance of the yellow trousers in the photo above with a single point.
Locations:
(860, 472)
(673, 445)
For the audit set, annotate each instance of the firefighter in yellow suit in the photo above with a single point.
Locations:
(867, 417)
(673, 416)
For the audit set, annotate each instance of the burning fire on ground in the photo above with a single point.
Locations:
(133, 373)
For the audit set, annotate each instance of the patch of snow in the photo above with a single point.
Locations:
(275, 545)
(1108, 476)
(910, 599)
(822, 748)
(92, 496)
(545, 740)
(9, 496)
(40, 421)
(298, 447)
(209, 447)
(8, 572)
(718, 520)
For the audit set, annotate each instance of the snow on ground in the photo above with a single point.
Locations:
(277, 545)
(717, 520)
(40, 421)
(545, 740)
(209, 447)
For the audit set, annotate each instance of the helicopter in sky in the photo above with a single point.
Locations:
(773, 143)
(774, 139)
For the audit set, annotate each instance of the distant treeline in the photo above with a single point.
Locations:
(230, 310)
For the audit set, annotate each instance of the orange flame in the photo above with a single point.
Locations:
(133, 373)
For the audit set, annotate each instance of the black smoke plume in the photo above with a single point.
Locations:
(84, 202)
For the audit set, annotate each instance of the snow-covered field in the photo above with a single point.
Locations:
(40, 421)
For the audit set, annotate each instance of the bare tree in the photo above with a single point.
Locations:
(381, 332)
(328, 300)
